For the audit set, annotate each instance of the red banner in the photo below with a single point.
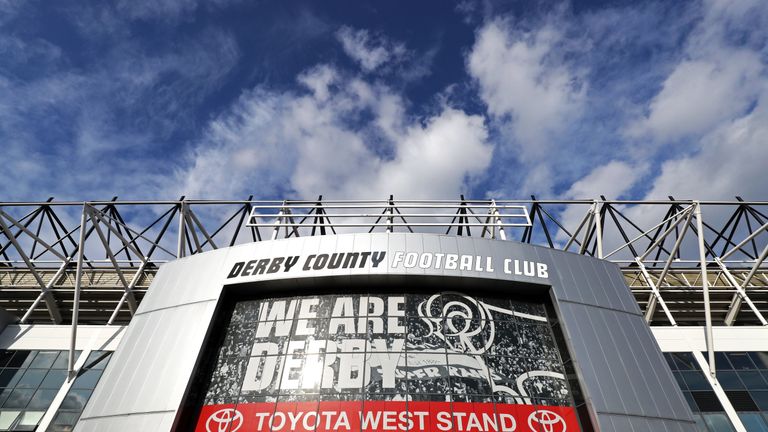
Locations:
(380, 416)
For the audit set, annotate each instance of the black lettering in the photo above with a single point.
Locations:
(235, 270)
(306, 263)
(350, 260)
(248, 268)
(365, 256)
(335, 261)
(320, 262)
(275, 266)
(377, 258)
(290, 262)
(261, 267)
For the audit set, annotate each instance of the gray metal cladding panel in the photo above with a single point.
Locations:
(620, 364)
(153, 362)
(615, 423)
(622, 371)
(584, 280)
(188, 280)
(604, 287)
(590, 359)
(620, 423)
(144, 422)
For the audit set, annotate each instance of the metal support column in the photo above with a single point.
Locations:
(76, 301)
(53, 310)
(741, 290)
(45, 292)
(182, 218)
(497, 220)
(599, 228)
(705, 287)
(733, 416)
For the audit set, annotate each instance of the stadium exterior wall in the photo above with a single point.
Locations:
(626, 381)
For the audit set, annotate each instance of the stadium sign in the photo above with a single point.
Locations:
(440, 362)
(386, 416)
(400, 259)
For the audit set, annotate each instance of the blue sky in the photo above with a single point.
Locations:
(154, 99)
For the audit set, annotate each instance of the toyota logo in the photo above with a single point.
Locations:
(546, 421)
(221, 420)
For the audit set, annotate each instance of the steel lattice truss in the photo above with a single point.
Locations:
(101, 256)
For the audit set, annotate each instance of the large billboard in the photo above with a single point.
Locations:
(442, 361)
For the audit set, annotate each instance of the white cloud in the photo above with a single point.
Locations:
(730, 160)
(433, 159)
(32, 52)
(346, 135)
(716, 101)
(699, 94)
(717, 95)
(369, 51)
(156, 8)
(310, 144)
(165, 9)
(102, 125)
(319, 80)
(614, 180)
(715, 81)
(9, 9)
(520, 75)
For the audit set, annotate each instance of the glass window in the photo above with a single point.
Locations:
(760, 359)
(76, 399)
(42, 399)
(753, 380)
(44, 360)
(4, 395)
(754, 422)
(54, 379)
(88, 379)
(5, 357)
(9, 377)
(28, 359)
(18, 398)
(741, 400)
(761, 399)
(691, 402)
(29, 420)
(60, 428)
(670, 361)
(7, 418)
(740, 360)
(680, 380)
(707, 401)
(19, 359)
(97, 360)
(721, 361)
(718, 423)
(729, 380)
(81, 391)
(685, 361)
(62, 360)
(700, 425)
(695, 380)
(32, 378)
(66, 418)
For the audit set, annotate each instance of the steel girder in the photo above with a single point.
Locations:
(95, 260)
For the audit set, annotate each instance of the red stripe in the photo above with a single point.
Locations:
(381, 416)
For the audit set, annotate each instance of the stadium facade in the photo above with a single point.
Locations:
(466, 315)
